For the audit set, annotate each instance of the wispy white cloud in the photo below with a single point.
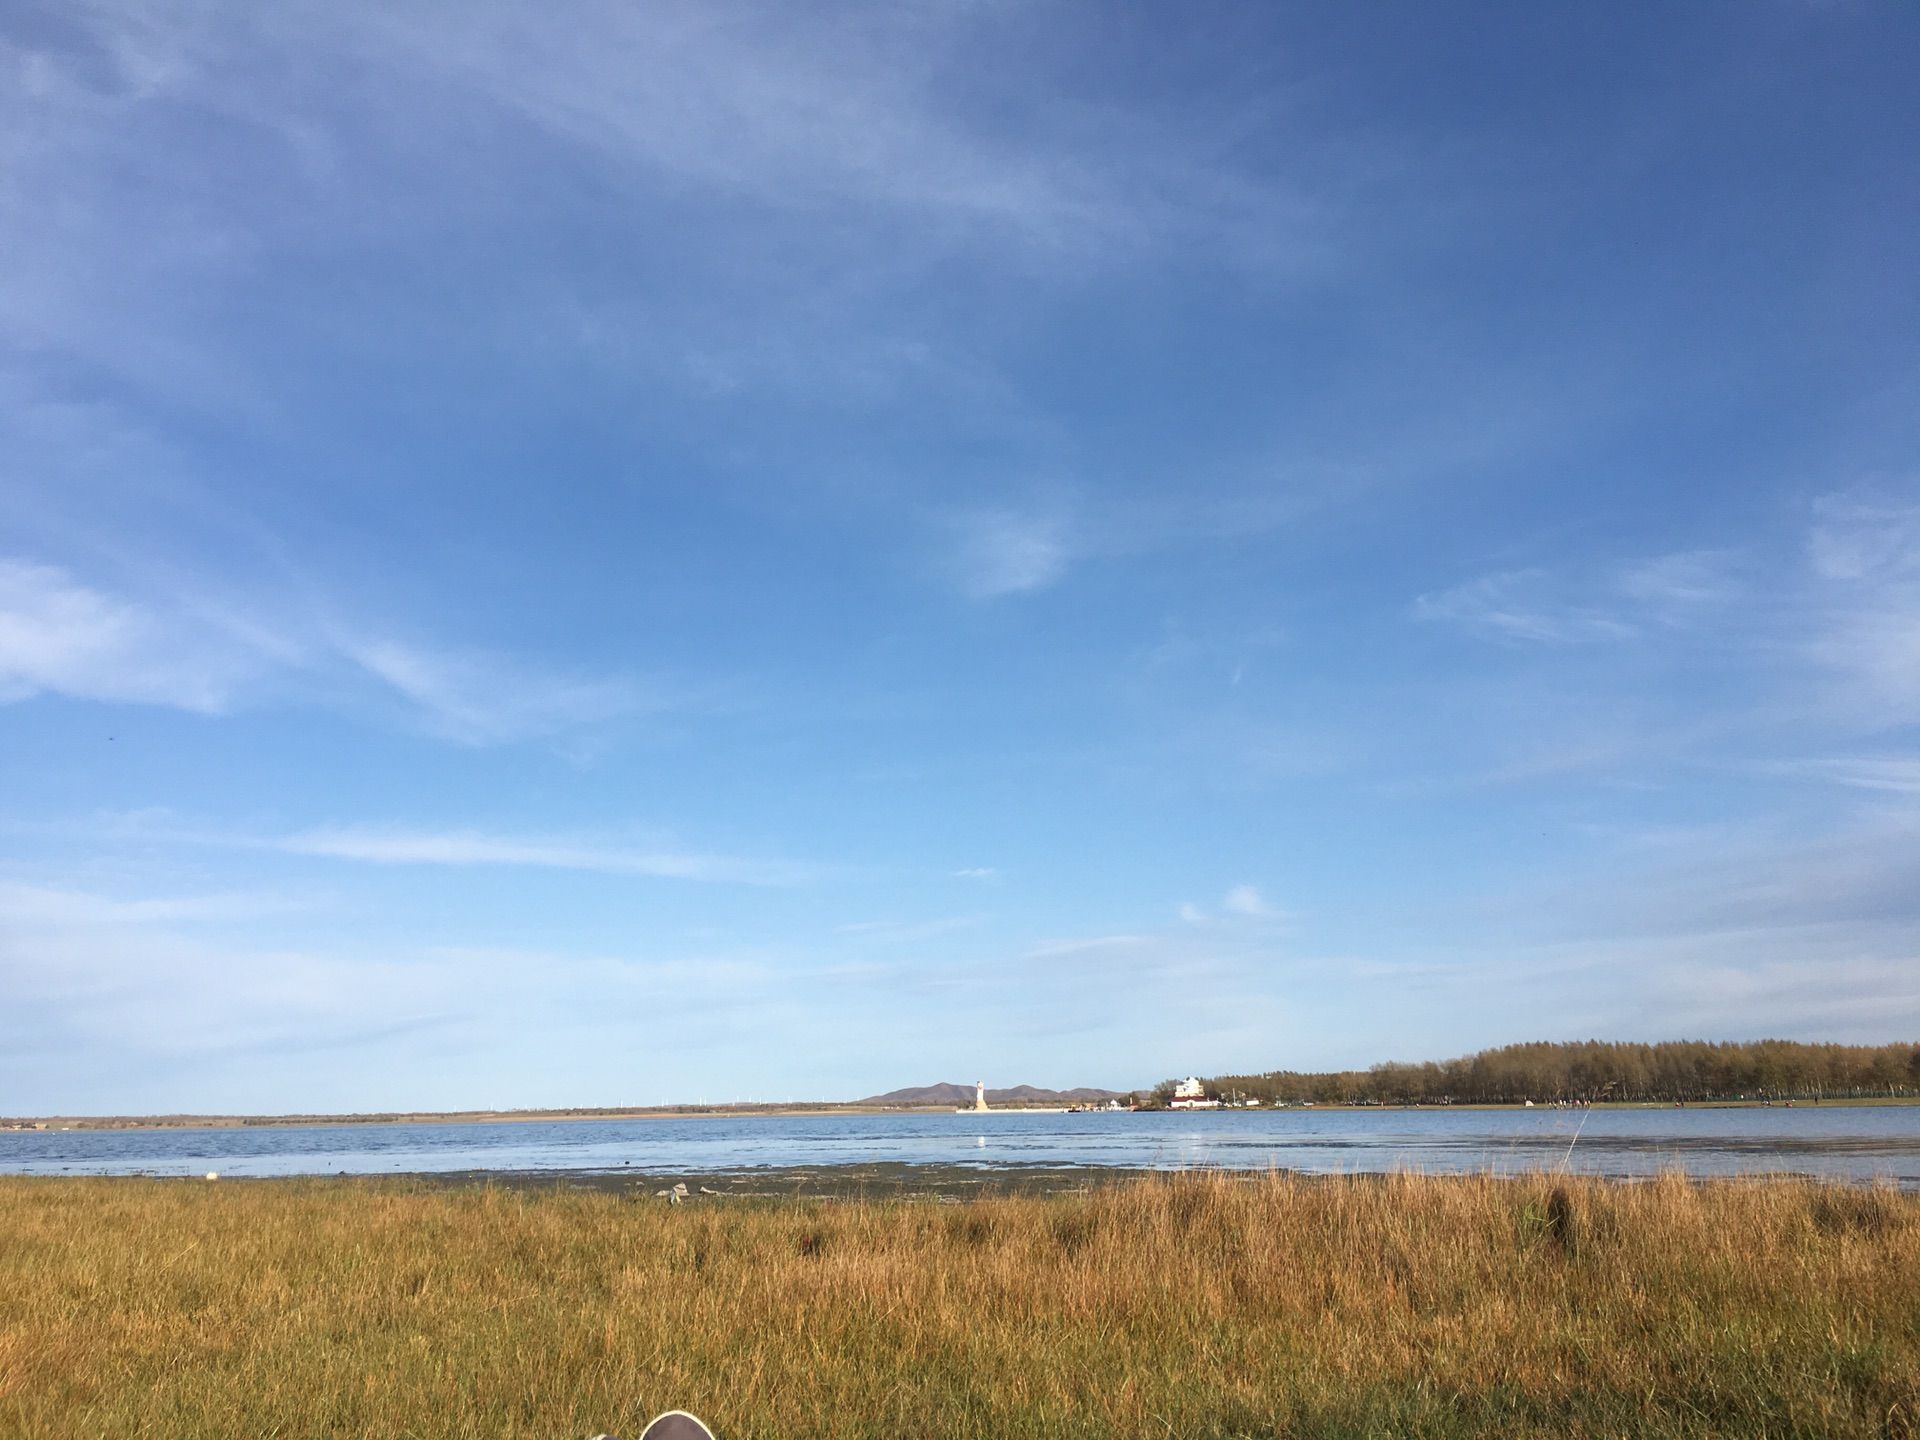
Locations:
(842, 113)
(478, 699)
(1671, 591)
(1826, 651)
(209, 655)
(1725, 931)
(906, 932)
(1864, 534)
(1246, 900)
(1732, 991)
(1859, 875)
(60, 637)
(131, 1001)
(1019, 547)
(44, 906)
(653, 856)
(1864, 547)
(1519, 605)
(1241, 902)
(1831, 982)
(838, 146)
(1892, 774)
(977, 872)
(1059, 949)
(1684, 580)
(1875, 648)
(998, 552)
(155, 1015)
(479, 848)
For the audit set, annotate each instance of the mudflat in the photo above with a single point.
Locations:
(878, 1180)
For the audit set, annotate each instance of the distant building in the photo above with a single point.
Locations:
(1190, 1094)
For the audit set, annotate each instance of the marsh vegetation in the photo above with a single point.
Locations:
(1187, 1305)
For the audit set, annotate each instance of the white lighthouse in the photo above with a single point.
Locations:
(979, 1095)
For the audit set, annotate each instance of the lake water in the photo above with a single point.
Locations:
(1841, 1142)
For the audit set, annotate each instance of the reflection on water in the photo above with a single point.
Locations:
(1846, 1142)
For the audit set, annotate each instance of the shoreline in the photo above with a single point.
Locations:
(856, 1182)
(859, 1181)
(880, 1181)
(42, 1124)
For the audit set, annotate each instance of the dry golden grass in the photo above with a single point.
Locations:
(1190, 1306)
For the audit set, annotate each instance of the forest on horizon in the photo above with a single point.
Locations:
(1591, 1070)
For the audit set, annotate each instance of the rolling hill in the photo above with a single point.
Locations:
(948, 1093)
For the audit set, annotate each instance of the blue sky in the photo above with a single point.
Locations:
(628, 553)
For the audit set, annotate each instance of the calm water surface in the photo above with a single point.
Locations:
(1850, 1142)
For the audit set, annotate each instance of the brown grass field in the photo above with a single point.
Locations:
(1188, 1306)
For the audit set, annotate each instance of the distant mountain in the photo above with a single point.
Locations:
(951, 1094)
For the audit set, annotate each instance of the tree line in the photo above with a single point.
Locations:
(1589, 1070)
